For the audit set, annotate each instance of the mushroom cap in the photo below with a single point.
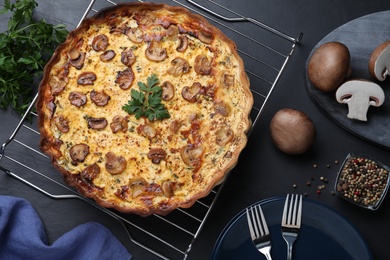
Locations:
(329, 66)
(292, 131)
(379, 63)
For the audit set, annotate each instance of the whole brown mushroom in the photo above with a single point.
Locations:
(292, 131)
(329, 66)
(379, 62)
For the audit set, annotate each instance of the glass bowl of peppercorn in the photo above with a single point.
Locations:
(362, 181)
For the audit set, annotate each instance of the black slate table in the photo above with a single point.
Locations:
(262, 171)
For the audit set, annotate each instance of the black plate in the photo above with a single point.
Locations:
(324, 235)
(361, 36)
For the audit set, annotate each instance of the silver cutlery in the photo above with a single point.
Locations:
(291, 221)
(259, 230)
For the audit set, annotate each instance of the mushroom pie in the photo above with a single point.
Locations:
(144, 108)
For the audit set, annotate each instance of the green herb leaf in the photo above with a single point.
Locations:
(147, 101)
(25, 47)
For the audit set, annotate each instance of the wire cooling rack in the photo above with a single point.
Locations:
(265, 51)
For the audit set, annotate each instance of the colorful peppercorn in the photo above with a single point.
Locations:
(362, 180)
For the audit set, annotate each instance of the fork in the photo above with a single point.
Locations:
(259, 230)
(291, 221)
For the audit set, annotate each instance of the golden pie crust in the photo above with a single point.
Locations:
(139, 165)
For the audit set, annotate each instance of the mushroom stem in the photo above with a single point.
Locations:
(358, 106)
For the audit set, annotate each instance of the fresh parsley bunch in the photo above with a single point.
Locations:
(25, 48)
(147, 101)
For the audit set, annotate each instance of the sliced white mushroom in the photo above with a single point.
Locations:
(167, 188)
(379, 63)
(136, 34)
(168, 90)
(360, 95)
(137, 186)
(115, 164)
(182, 43)
(223, 135)
(179, 67)
(172, 32)
(191, 155)
(155, 52)
(148, 130)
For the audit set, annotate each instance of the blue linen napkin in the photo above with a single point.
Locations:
(22, 236)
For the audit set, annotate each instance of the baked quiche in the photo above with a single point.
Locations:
(144, 108)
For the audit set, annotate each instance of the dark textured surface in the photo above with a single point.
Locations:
(262, 171)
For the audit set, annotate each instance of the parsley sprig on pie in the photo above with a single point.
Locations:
(144, 108)
(147, 101)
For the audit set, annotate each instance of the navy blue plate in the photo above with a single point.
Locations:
(324, 234)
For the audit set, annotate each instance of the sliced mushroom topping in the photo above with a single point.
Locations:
(125, 78)
(97, 123)
(202, 65)
(179, 67)
(155, 52)
(227, 80)
(79, 62)
(127, 57)
(156, 34)
(137, 186)
(182, 43)
(168, 91)
(57, 84)
(208, 91)
(137, 181)
(122, 192)
(78, 153)
(167, 188)
(64, 71)
(115, 164)
(156, 155)
(77, 99)
(222, 108)
(190, 93)
(148, 130)
(86, 78)
(174, 126)
(107, 55)
(172, 32)
(51, 107)
(119, 123)
(100, 98)
(191, 155)
(90, 172)
(114, 29)
(205, 36)
(224, 135)
(136, 35)
(79, 43)
(146, 19)
(100, 42)
(73, 54)
(61, 123)
(153, 188)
